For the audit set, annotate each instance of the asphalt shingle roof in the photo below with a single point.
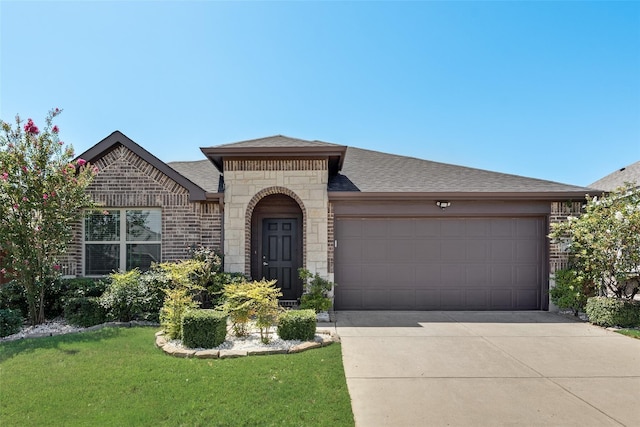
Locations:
(368, 171)
(373, 171)
(618, 178)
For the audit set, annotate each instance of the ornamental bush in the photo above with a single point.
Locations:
(203, 328)
(10, 322)
(84, 311)
(257, 300)
(316, 291)
(297, 325)
(128, 297)
(571, 291)
(607, 312)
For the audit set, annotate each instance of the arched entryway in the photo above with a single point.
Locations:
(277, 243)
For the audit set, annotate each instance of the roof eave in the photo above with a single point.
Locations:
(407, 196)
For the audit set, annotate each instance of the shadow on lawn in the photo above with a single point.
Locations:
(10, 349)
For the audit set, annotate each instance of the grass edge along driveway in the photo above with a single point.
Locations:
(116, 376)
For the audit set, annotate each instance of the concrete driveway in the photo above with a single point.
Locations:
(487, 369)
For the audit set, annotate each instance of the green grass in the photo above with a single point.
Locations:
(634, 333)
(116, 377)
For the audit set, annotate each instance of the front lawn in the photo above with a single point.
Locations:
(116, 376)
(635, 333)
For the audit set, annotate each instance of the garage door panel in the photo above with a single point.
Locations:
(428, 299)
(402, 299)
(375, 298)
(501, 299)
(453, 228)
(527, 299)
(375, 273)
(427, 250)
(451, 299)
(374, 250)
(476, 299)
(440, 263)
(400, 250)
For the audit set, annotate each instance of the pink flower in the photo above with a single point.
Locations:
(5, 176)
(25, 169)
(82, 162)
(95, 169)
(57, 110)
(55, 129)
(16, 206)
(24, 199)
(56, 267)
(3, 271)
(45, 196)
(30, 127)
(60, 143)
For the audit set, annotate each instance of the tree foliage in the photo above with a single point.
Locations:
(42, 193)
(604, 242)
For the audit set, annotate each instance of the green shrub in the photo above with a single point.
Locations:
(203, 328)
(609, 312)
(129, 297)
(571, 291)
(297, 325)
(176, 303)
(252, 300)
(84, 311)
(316, 291)
(58, 292)
(13, 296)
(10, 322)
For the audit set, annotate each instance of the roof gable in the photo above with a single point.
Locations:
(117, 139)
(278, 146)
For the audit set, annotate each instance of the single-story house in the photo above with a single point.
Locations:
(393, 232)
(618, 178)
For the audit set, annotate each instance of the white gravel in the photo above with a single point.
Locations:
(47, 329)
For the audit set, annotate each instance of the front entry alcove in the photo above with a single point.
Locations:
(277, 243)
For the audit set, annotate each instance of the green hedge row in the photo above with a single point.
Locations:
(297, 325)
(84, 311)
(10, 322)
(609, 312)
(203, 328)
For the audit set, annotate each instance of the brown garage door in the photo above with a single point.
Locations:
(439, 263)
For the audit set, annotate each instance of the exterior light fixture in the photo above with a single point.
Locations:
(443, 204)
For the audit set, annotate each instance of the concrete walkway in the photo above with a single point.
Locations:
(487, 369)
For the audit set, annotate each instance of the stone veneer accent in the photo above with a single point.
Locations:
(248, 181)
(126, 180)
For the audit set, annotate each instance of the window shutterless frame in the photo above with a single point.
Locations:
(119, 239)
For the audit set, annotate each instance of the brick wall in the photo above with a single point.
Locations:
(126, 180)
(560, 211)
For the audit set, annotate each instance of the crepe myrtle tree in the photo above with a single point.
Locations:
(42, 193)
(604, 242)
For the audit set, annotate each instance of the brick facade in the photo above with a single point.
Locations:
(126, 180)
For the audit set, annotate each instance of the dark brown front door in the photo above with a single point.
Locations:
(280, 258)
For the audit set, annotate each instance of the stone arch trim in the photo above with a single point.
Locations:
(249, 214)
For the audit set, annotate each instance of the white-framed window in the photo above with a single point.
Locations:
(121, 239)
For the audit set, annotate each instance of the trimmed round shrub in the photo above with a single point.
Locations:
(203, 328)
(84, 311)
(297, 325)
(607, 312)
(10, 322)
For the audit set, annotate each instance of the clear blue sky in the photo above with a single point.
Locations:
(542, 89)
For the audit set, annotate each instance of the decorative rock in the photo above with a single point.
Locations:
(207, 354)
(161, 341)
(264, 351)
(229, 354)
(184, 353)
(323, 316)
(308, 345)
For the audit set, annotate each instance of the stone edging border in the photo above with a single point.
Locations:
(322, 339)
